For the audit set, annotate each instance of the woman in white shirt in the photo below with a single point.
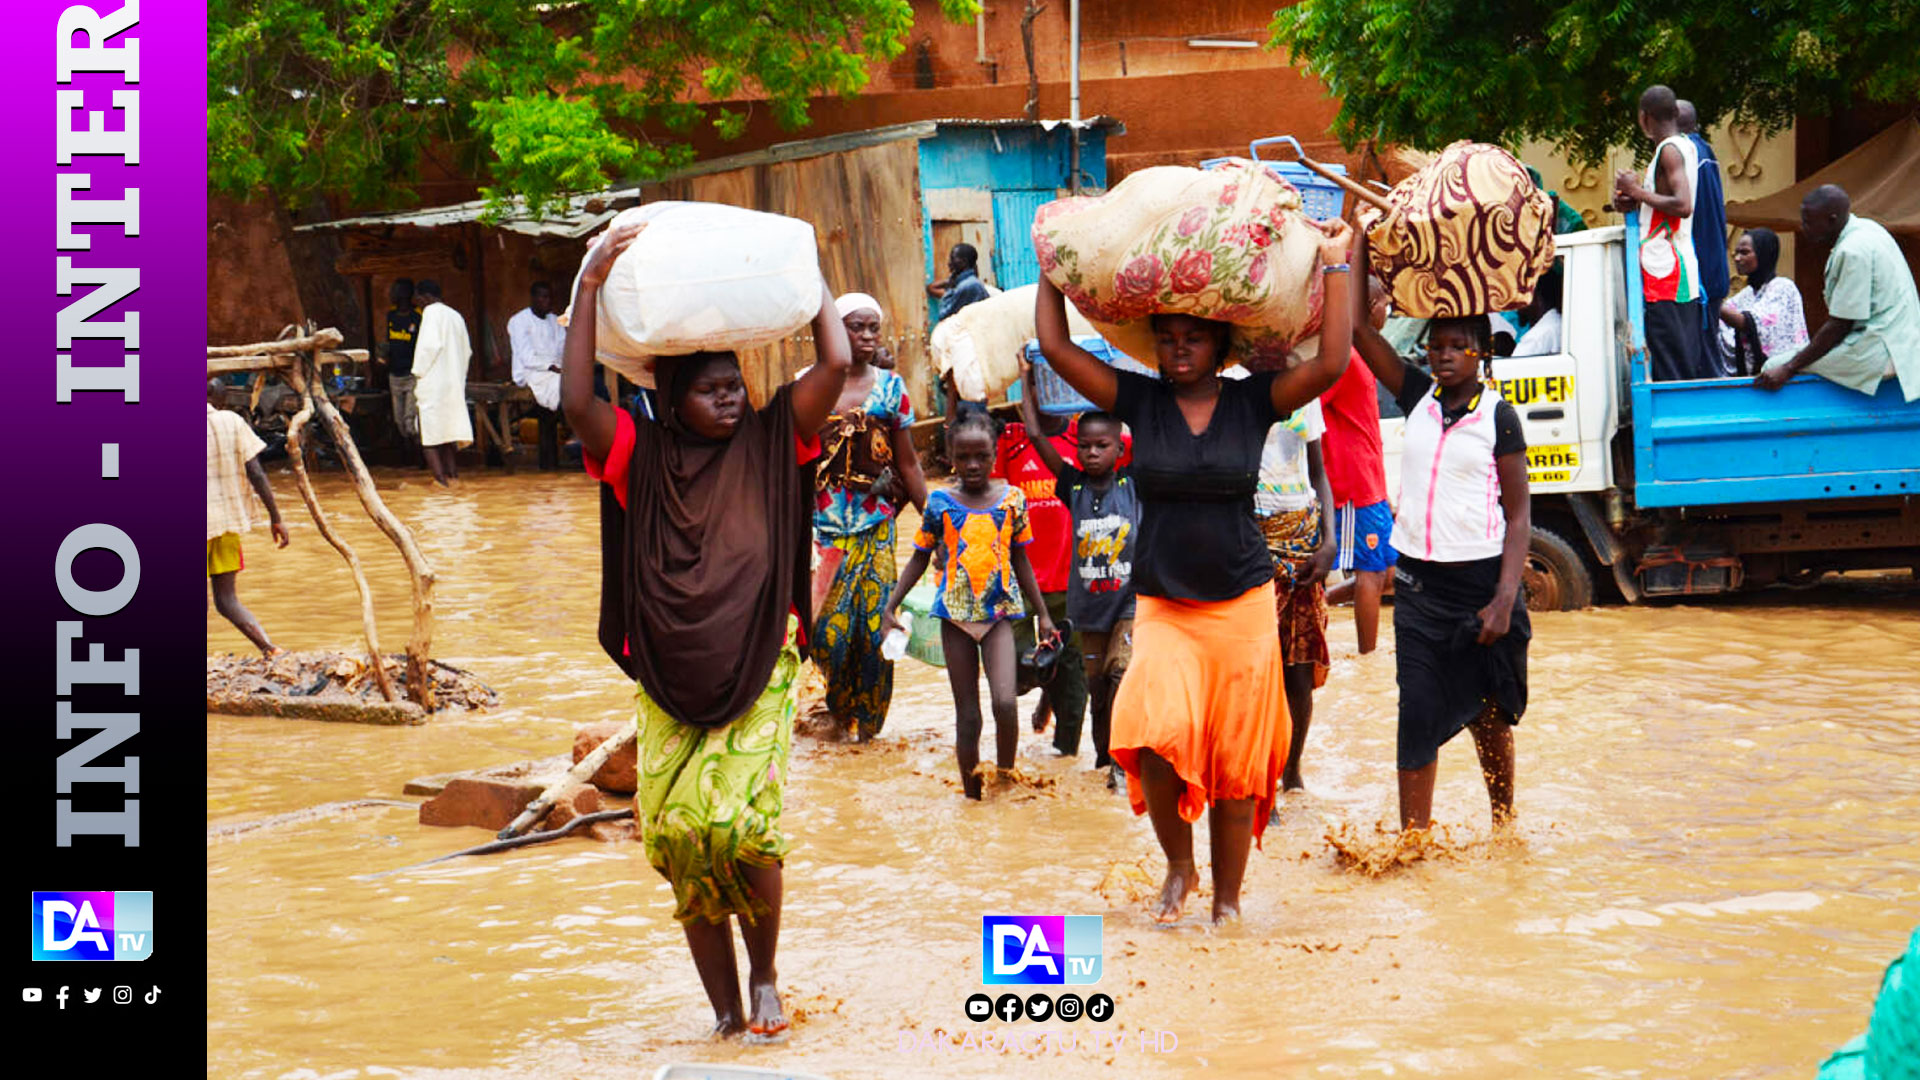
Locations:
(1765, 319)
(1459, 618)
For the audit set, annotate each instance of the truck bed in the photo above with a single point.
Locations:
(1724, 441)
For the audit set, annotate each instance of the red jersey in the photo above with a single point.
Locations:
(1016, 461)
(1356, 468)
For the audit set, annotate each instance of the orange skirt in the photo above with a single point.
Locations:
(1205, 692)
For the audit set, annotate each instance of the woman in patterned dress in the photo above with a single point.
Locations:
(868, 468)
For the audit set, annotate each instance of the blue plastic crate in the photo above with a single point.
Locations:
(1320, 199)
(1054, 396)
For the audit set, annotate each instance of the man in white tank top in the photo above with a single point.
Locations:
(1669, 270)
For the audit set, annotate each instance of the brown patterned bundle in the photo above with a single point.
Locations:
(1227, 243)
(1467, 234)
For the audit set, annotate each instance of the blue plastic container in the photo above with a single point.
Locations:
(1320, 198)
(1052, 394)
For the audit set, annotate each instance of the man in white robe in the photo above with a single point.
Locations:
(537, 339)
(440, 358)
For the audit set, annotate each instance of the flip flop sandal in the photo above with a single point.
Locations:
(761, 1035)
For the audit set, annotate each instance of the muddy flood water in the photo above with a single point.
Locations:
(1718, 852)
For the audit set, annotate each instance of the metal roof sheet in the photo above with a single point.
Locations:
(584, 214)
(587, 213)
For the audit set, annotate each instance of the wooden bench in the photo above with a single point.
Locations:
(507, 403)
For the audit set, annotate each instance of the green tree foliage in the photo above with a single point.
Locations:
(345, 97)
(1423, 73)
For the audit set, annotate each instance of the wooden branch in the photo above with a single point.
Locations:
(322, 339)
(419, 666)
(221, 365)
(269, 362)
(296, 431)
(1365, 195)
(1026, 44)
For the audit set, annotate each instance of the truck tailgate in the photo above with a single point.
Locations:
(1723, 441)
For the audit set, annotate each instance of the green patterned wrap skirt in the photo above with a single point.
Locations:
(709, 800)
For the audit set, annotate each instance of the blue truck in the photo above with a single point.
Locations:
(1701, 486)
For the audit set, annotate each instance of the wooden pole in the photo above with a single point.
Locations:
(366, 300)
(220, 365)
(419, 664)
(296, 430)
(1366, 195)
(477, 279)
(579, 774)
(319, 339)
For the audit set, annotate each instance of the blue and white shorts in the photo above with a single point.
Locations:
(1365, 536)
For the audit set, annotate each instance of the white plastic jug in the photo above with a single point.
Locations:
(893, 647)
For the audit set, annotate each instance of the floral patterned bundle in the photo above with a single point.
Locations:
(1468, 234)
(1229, 243)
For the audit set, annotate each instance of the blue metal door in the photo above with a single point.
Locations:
(1014, 264)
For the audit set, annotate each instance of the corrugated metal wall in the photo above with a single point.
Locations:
(865, 208)
(1023, 169)
(868, 210)
(1014, 263)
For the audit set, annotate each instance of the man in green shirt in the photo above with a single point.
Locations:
(1872, 330)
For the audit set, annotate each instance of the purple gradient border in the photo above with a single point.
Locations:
(53, 485)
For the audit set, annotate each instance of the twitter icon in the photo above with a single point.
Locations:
(91, 995)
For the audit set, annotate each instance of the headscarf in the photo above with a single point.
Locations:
(851, 302)
(700, 569)
(1766, 256)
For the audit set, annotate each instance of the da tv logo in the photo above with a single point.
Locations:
(1028, 950)
(92, 925)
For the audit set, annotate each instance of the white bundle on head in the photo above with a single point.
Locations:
(982, 343)
(701, 277)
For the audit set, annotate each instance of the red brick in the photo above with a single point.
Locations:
(487, 803)
(621, 772)
(617, 831)
(576, 800)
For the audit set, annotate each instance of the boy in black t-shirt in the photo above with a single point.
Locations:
(403, 326)
(1106, 517)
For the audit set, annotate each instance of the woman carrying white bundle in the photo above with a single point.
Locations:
(705, 520)
(868, 468)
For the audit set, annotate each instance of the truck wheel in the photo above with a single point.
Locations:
(1556, 578)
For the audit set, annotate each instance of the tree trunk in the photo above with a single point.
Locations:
(296, 431)
(1026, 45)
(326, 298)
(419, 665)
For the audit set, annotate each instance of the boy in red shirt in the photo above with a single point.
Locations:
(1363, 520)
(1051, 552)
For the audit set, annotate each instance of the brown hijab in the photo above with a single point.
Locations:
(700, 570)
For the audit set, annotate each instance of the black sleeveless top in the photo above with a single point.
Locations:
(1198, 536)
